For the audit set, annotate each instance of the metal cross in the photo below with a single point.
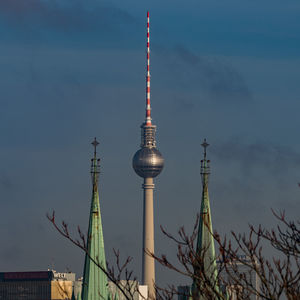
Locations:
(204, 145)
(95, 144)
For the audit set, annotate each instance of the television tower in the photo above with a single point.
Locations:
(148, 163)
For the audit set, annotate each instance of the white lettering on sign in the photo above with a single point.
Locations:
(59, 275)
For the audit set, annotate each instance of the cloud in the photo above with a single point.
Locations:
(68, 15)
(250, 178)
(6, 183)
(214, 76)
(270, 157)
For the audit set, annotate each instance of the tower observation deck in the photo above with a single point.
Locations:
(148, 163)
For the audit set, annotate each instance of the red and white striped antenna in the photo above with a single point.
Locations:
(148, 107)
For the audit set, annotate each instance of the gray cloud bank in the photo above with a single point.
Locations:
(272, 157)
(65, 15)
(213, 76)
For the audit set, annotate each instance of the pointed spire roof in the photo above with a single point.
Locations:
(205, 242)
(94, 284)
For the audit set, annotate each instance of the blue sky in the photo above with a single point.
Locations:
(71, 70)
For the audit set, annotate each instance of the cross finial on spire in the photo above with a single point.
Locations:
(95, 163)
(204, 145)
(95, 143)
(205, 170)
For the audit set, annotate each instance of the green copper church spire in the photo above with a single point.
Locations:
(94, 280)
(205, 251)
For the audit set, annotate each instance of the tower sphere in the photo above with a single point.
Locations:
(148, 162)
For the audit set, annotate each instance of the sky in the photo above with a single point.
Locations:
(73, 70)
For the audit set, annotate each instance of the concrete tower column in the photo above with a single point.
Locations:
(148, 237)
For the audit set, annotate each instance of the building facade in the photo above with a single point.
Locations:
(44, 285)
(132, 289)
(238, 268)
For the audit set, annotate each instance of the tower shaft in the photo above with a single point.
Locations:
(148, 270)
